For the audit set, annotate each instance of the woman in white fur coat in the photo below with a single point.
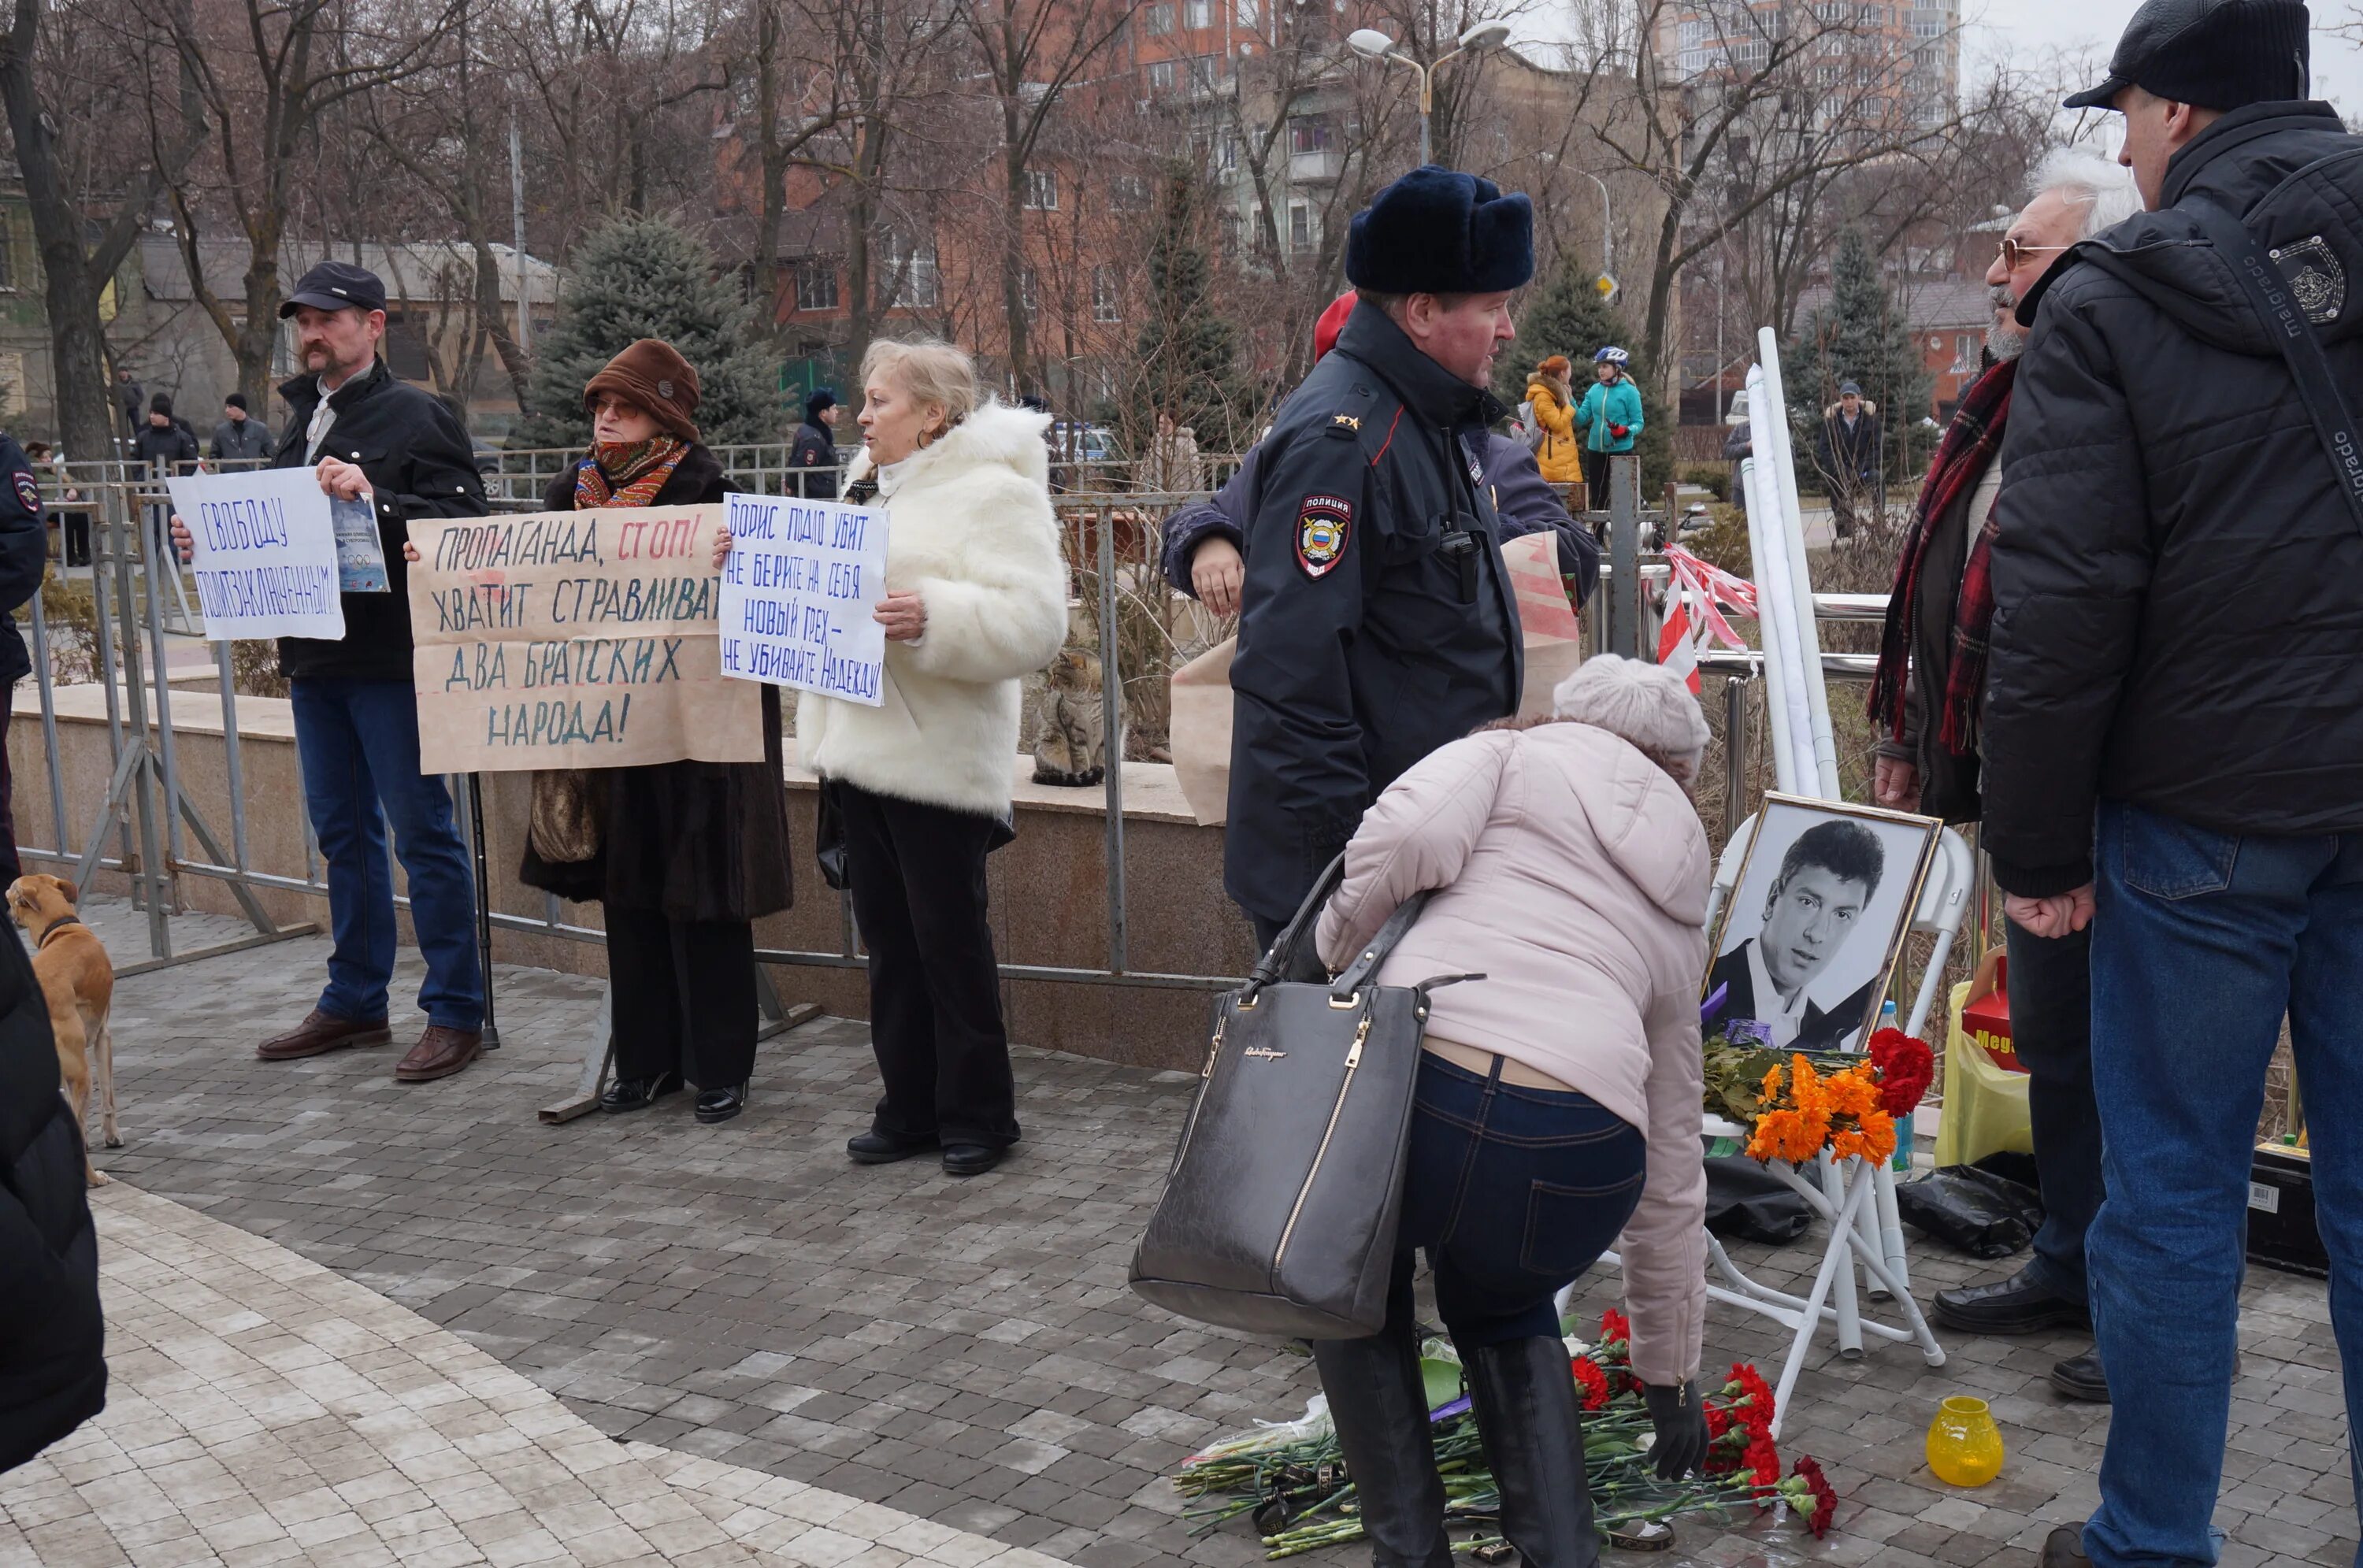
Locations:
(976, 599)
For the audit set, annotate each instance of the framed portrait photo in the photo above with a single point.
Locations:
(1816, 922)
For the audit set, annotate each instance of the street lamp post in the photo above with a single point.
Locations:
(1607, 235)
(1372, 44)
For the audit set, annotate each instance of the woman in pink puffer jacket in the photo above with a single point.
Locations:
(1559, 1100)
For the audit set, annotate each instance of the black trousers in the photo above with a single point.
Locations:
(917, 878)
(684, 996)
(1595, 476)
(2051, 1031)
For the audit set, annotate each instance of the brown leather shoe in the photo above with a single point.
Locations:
(440, 1053)
(322, 1031)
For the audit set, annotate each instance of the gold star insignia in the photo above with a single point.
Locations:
(1348, 420)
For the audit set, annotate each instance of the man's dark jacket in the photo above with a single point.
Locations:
(419, 463)
(171, 445)
(1526, 502)
(240, 439)
(1817, 1030)
(2178, 582)
(24, 554)
(53, 1339)
(1376, 621)
(1848, 456)
(815, 449)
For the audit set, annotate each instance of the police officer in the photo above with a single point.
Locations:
(1375, 618)
(23, 555)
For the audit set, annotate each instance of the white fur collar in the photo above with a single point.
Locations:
(994, 434)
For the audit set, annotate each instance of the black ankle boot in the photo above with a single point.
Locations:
(1532, 1428)
(1379, 1407)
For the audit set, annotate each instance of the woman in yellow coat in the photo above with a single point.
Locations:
(1553, 401)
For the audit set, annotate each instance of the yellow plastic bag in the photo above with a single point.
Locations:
(1985, 1104)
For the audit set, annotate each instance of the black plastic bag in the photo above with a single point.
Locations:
(1747, 1202)
(1976, 1210)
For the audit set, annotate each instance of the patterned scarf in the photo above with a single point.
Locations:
(617, 475)
(1971, 441)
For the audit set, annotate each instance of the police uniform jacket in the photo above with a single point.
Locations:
(1377, 622)
(23, 553)
(419, 463)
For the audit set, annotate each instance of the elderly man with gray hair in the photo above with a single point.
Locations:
(1925, 701)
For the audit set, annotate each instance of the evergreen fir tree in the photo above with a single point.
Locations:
(640, 278)
(1186, 359)
(1858, 334)
(1564, 316)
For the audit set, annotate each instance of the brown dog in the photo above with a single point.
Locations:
(78, 982)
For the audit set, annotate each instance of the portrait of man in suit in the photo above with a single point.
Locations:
(1827, 877)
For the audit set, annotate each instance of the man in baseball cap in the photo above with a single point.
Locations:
(373, 439)
(2171, 729)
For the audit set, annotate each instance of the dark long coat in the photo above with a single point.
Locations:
(696, 841)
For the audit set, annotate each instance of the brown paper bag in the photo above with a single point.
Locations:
(1201, 733)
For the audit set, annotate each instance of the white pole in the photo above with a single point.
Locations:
(1801, 585)
(1755, 474)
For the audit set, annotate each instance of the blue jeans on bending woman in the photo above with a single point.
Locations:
(1513, 1192)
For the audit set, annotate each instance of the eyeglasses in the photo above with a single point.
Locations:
(2015, 254)
(610, 403)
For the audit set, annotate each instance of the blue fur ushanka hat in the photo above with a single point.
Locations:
(1438, 231)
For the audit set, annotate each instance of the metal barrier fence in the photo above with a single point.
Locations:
(1142, 632)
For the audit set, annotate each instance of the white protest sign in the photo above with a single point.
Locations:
(803, 578)
(264, 552)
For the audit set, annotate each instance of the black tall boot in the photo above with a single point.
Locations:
(1379, 1407)
(1532, 1428)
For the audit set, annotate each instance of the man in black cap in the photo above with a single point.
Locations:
(239, 437)
(1848, 454)
(2173, 726)
(812, 465)
(373, 437)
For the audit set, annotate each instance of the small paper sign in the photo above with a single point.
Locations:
(263, 550)
(798, 593)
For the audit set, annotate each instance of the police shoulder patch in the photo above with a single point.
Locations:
(1324, 523)
(29, 492)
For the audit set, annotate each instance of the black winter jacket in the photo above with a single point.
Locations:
(2178, 582)
(419, 463)
(23, 553)
(695, 841)
(53, 1339)
(815, 449)
(171, 445)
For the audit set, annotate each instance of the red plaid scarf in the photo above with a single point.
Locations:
(1971, 441)
(615, 475)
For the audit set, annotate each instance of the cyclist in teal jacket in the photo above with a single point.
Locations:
(1609, 416)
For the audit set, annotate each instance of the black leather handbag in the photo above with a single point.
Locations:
(1279, 1214)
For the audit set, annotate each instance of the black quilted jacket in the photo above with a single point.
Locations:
(2178, 583)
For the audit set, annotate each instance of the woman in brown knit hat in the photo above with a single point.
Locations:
(691, 853)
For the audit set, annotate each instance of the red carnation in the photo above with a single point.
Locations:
(1615, 1326)
(1825, 1496)
(1764, 1459)
(1592, 1381)
(1906, 1066)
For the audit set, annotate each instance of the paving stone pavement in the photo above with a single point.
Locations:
(263, 1409)
(966, 1352)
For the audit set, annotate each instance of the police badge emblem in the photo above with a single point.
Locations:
(1323, 524)
(2316, 278)
(28, 493)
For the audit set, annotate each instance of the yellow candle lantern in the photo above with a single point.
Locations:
(1964, 1444)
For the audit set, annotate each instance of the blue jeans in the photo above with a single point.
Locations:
(358, 744)
(2200, 943)
(2051, 1030)
(1513, 1192)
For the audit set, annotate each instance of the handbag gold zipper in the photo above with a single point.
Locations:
(1353, 1060)
(1205, 1078)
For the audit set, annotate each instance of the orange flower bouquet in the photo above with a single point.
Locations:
(1802, 1110)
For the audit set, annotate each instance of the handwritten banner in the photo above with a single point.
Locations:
(797, 593)
(263, 550)
(574, 639)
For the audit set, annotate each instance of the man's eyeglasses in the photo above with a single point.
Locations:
(2014, 253)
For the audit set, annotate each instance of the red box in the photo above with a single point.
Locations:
(1985, 1016)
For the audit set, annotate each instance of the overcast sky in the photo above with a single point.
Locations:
(2025, 30)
